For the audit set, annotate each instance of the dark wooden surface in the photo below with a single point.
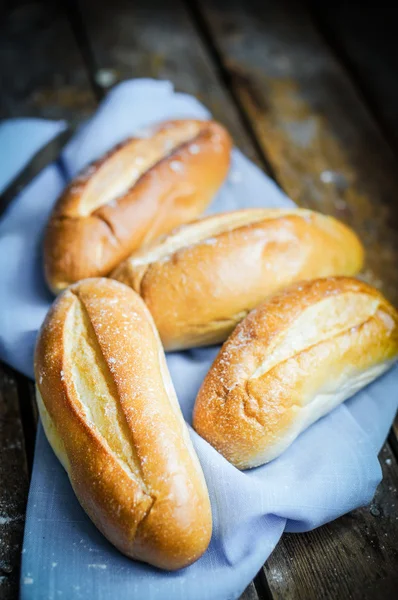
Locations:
(42, 72)
(321, 141)
(14, 483)
(158, 39)
(363, 37)
(311, 101)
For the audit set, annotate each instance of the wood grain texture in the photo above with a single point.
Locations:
(13, 484)
(329, 155)
(358, 180)
(250, 593)
(41, 71)
(42, 74)
(353, 557)
(157, 39)
(365, 40)
(322, 143)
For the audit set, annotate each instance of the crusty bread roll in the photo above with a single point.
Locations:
(291, 361)
(140, 189)
(201, 280)
(110, 412)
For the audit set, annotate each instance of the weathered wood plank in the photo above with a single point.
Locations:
(41, 70)
(166, 69)
(157, 39)
(42, 75)
(366, 41)
(250, 593)
(322, 143)
(46, 95)
(13, 484)
(394, 437)
(329, 155)
(354, 557)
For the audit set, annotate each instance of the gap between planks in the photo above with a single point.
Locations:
(326, 150)
(253, 126)
(371, 66)
(289, 46)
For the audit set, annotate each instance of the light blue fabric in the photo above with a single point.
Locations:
(20, 140)
(331, 469)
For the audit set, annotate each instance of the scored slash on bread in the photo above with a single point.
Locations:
(202, 279)
(140, 189)
(105, 396)
(291, 361)
(110, 412)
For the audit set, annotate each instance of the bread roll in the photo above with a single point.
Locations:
(110, 412)
(140, 189)
(201, 280)
(291, 361)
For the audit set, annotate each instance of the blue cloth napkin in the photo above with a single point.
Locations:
(330, 469)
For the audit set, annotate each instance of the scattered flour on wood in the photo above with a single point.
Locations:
(4, 520)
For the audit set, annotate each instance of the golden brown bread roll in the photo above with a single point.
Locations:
(201, 280)
(291, 361)
(110, 412)
(140, 189)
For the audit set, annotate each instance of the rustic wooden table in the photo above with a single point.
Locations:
(310, 93)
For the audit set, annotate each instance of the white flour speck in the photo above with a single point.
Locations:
(168, 144)
(105, 77)
(6, 520)
(176, 166)
(193, 149)
(96, 566)
(340, 204)
(28, 580)
(277, 576)
(327, 176)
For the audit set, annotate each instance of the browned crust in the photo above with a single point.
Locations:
(161, 513)
(79, 245)
(249, 414)
(199, 292)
